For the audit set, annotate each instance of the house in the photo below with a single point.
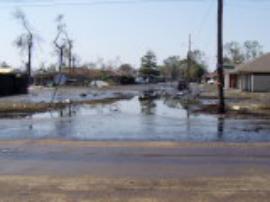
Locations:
(253, 76)
(210, 77)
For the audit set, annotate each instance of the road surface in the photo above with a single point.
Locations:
(57, 170)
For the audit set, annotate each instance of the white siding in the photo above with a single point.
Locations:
(227, 81)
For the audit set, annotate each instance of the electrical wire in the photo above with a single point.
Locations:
(48, 3)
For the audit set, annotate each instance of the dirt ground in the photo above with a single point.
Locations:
(52, 170)
(44, 188)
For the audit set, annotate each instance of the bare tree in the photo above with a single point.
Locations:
(253, 50)
(63, 43)
(233, 53)
(25, 41)
(236, 53)
(60, 40)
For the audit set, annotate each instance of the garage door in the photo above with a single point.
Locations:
(261, 83)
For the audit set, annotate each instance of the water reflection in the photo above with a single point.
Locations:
(181, 104)
(30, 126)
(186, 105)
(220, 128)
(188, 120)
(172, 103)
(159, 119)
(148, 106)
(64, 126)
(68, 111)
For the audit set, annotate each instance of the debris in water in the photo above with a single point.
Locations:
(83, 94)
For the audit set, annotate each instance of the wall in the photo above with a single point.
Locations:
(245, 82)
(226, 80)
(230, 80)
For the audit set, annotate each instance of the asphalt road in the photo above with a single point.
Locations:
(54, 170)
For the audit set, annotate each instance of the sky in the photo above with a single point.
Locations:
(121, 31)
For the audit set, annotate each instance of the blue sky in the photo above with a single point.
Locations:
(122, 33)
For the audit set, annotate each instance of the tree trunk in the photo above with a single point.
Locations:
(61, 59)
(29, 63)
(70, 58)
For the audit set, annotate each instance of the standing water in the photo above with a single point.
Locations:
(156, 120)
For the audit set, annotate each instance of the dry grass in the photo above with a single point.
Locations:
(131, 144)
(210, 92)
(238, 103)
(45, 188)
(28, 108)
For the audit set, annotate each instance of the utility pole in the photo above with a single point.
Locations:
(221, 107)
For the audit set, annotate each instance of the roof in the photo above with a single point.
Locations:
(6, 70)
(259, 65)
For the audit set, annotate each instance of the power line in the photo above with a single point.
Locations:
(65, 2)
(204, 18)
(54, 3)
(57, 3)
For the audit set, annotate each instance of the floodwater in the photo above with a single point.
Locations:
(46, 95)
(156, 120)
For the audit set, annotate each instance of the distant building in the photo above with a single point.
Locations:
(210, 77)
(253, 76)
(12, 82)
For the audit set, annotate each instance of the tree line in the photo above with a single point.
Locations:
(236, 53)
(173, 68)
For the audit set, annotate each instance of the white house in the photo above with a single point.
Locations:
(253, 76)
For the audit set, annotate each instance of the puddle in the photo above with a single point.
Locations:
(156, 120)
(48, 95)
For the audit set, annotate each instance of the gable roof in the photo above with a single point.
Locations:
(259, 65)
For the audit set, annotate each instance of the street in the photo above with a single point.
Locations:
(52, 170)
